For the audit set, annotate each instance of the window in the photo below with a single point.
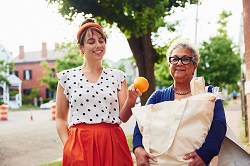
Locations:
(53, 73)
(26, 92)
(16, 73)
(49, 93)
(27, 74)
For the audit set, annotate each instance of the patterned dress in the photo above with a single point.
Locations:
(92, 102)
(95, 137)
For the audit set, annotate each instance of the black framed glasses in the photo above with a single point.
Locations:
(185, 60)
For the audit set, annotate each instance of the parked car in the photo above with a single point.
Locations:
(48, 104)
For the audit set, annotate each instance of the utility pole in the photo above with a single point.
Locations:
(196, 30)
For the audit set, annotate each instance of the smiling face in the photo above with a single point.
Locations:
(94, 46)
(179, 71)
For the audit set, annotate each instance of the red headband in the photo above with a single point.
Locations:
(85, 26)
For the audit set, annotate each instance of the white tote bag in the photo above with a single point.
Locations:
(232, 151)
(172, 129)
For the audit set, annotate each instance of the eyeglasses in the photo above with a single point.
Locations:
(185, 60)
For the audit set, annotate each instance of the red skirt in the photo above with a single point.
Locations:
(96, 145)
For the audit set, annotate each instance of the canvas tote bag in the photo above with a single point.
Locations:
(172, 129)
(232, 152)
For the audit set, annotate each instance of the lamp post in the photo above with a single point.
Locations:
(196, 30)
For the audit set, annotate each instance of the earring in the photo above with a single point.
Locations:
(82, 54)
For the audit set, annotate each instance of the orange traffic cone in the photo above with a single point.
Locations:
(53, 112)
(31, 116)
(4, 112)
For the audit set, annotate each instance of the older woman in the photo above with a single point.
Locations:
(183, 59)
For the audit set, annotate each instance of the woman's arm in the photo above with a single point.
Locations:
(137, 137)
(127, 99)
(62, 110)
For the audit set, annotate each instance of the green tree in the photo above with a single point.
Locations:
(220, 62)
(137, 19)
(4, 68)
(26, 99)
(48, 76)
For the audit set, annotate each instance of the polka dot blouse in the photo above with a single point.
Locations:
(92, 102)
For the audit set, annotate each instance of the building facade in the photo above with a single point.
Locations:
(13, 100)
(246, 23)
(28, 69)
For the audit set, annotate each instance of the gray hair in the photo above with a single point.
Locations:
(181, 43)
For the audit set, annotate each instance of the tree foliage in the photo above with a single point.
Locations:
(162, 74)
(136, 19)
(48, 77)
(27, 99)
(220, 62)
(4, 68)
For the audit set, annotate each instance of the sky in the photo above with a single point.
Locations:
(32, 22)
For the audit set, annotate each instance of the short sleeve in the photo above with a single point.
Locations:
(62, 79)
(121, 78)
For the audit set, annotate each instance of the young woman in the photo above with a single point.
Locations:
(91, 102)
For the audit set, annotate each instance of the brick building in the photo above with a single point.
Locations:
(246, 23)
(27, 67)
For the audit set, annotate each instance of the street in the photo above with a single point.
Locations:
(26, 142)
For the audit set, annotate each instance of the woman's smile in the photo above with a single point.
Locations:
(98, 51)
(179, 70)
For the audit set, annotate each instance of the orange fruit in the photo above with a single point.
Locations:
(141, 83)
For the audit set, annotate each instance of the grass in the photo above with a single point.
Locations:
(129, 140)
(243, 137)
(225, 102)
(59, 163)
(56, 163)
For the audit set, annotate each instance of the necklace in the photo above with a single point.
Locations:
(184, 93)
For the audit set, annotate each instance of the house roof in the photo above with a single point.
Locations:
(5, 55)
(36, 56)
(14, 80)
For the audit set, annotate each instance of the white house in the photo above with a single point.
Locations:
(15, 82)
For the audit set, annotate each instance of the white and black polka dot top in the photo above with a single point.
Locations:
(92, 102)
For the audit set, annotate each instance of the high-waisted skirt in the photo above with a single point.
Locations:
(96, 145)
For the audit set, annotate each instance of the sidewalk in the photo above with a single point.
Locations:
(234, 119)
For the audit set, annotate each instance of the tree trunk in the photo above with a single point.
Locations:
(144, 55)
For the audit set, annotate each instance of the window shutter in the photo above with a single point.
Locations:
(24, 75)
(30, 71)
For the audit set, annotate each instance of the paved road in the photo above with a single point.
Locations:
(234, 120)
(28, 143)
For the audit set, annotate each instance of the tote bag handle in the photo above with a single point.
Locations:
(177, 118)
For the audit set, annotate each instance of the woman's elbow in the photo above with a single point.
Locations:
(124, 120)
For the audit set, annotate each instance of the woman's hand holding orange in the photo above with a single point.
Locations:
(133, 93)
